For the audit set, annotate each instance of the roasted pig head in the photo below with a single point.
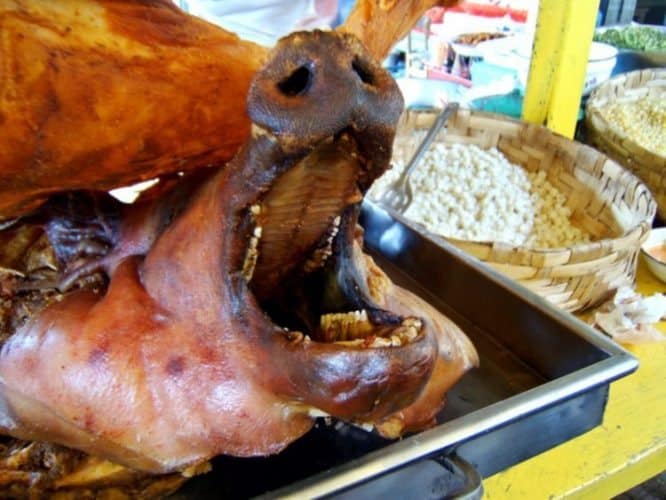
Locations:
(237, 309)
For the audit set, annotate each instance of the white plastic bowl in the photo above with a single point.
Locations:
(658, 267)
(516, 52)
(424, 93)
(600, 65)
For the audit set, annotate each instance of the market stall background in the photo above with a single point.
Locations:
(584, 467)
(508, 59)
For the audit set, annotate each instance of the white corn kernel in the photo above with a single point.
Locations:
(465, 192)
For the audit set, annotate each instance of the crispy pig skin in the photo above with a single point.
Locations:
(177, 362)
(98, 94)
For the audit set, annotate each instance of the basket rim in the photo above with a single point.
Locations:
(642, 228)
(593, 108)
(520, 250)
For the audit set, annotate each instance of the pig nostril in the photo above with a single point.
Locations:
(298, 83)
(363, 71)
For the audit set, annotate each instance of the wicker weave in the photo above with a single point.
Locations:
(610, 139)
(606, 200)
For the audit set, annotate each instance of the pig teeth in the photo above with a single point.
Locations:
(408, 331)
(321, 254)
(318, 259)
(11, 272)
(403, 335)
(7, 223)
(294, 337)
(258, 131)
(316, 413)
(335, 228)
(345, 326)
(252, 254)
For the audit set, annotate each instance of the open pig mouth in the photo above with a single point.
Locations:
(302, 230)
(239, 304)
(301, 249)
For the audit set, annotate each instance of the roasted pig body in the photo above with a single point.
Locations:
(100, 94)
(229, 306)
(241, 306)
(97, 94)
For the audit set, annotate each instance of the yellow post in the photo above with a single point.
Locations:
(559, 61)
(545, 57)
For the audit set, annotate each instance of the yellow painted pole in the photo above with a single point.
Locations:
(545, 56)
(560, 53)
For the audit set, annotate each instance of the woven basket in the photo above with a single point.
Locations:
(606, 137)
(606, 200)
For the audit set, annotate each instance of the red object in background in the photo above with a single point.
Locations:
(520, 16)
(441, 74)
(437, 14)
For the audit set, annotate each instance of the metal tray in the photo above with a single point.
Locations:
(544, 379)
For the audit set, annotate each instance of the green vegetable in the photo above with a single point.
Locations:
(634, 38)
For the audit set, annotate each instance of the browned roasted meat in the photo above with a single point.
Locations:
(238, 294)
(38, 470)
(198, 347)
(96, 94)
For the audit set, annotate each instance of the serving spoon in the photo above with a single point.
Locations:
(398, 195)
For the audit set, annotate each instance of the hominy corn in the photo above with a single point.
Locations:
(464, 192)
(643, 120)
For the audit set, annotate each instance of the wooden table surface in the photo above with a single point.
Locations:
(627, 449)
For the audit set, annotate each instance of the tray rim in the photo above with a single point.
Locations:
(429, 442)
(619, 363)
(588, 333)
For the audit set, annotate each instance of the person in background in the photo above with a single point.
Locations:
(265, 21)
